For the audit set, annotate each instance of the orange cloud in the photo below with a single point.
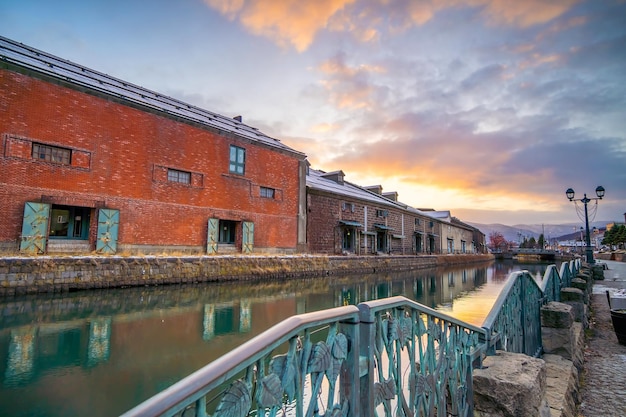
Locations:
(324, 128)
(539, 59)
(510, 12)
(286, 22)
(296, 22)
(347, 86)
(525, 13)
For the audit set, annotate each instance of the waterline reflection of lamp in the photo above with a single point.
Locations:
(585, 200)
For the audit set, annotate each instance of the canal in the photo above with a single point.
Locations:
(99, 353)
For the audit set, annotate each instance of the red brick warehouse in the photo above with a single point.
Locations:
(90, 162)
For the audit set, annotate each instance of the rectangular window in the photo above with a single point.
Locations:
(182, 177)
(347, 207)
(52, 154)
(267, 192)
(237, 160)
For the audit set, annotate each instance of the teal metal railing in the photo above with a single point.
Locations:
(420, 360)
(514, 322)
(388, 357)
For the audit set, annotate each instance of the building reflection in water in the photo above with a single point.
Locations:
(21, 358)
(99, 341)
(226, 318)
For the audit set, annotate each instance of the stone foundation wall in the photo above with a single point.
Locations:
(58, 274)
(611, 256)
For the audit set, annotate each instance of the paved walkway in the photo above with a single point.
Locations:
(603, 387)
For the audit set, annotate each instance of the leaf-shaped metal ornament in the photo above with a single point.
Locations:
(269, 391)
(431, 383)
(320, 358)
(421, 327)
(404, 329)
(340, 346)
(236, 401)
(389, 388)
(392, 330)
(378, 393)
(385, 324)
(384, 391)
(417, 381)
(333, 370)
(435, 331)
(381, 336)
(286, 371)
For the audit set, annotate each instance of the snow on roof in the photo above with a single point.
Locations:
(315, 180)
(42, 62)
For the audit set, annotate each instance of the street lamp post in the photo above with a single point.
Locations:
(585, 200)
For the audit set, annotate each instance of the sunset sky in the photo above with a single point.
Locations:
(488, 108)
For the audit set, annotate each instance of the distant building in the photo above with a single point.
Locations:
(458, 237)
(611, 225)
(94, 163)
(343, 217)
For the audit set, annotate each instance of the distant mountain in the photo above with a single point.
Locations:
(518, 232)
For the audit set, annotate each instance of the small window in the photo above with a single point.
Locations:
(237, 160)
(267, 192)
(382, 213)
(52, 154)
(182, 177)
(347, 207)
(418, 222)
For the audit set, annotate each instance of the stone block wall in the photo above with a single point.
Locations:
(58, 274)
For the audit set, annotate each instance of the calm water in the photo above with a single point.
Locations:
(99, 353)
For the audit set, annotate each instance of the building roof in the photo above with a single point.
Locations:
(443, 215)
(319, 180)
(35, 60)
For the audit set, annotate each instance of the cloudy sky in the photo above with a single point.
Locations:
(488, 108)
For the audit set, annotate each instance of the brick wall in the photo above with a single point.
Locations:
(120, 156)
(324, 232)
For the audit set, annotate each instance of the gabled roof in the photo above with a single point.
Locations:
(458, 222)
(318, 180)
(35, 60)
(441, 215)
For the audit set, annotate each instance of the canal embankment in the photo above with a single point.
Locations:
(45, 274)
(580, 372)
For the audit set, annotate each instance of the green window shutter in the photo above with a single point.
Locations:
(35, 228)
(212, 236)
(108, 227)
(248, 237)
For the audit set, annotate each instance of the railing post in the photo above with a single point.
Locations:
(523, 303)
(367, 334)
(349, 378)
(490, 346)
